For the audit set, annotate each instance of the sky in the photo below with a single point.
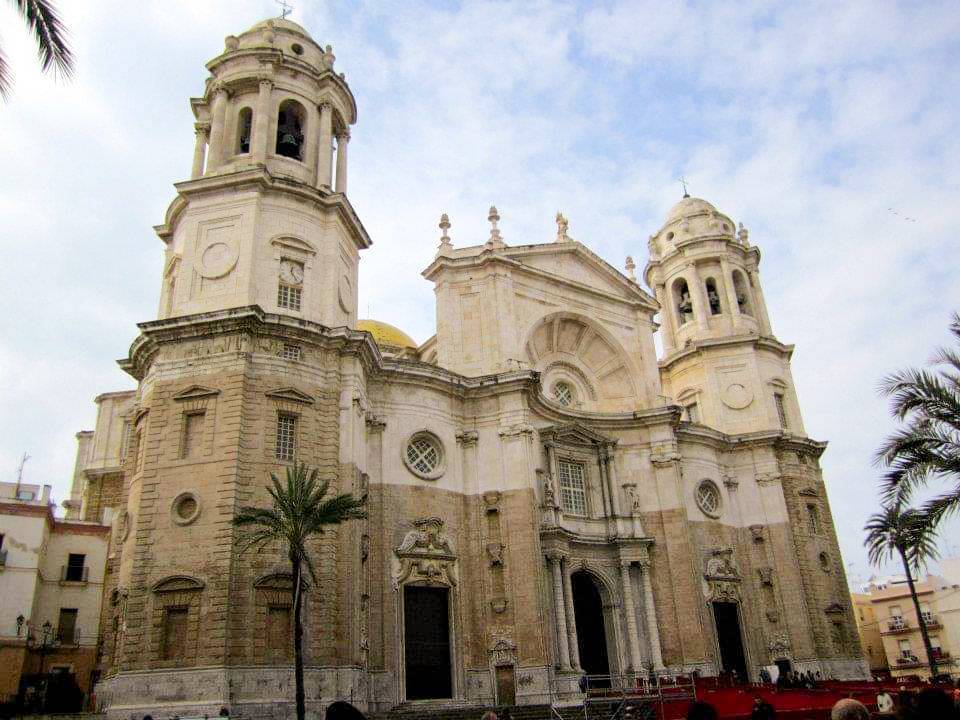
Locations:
(831, 130)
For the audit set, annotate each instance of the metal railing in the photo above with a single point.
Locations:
(623, 695)
(897, 623)
(68, 635)
(74, 573)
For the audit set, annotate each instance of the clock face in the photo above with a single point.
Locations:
(291, 272)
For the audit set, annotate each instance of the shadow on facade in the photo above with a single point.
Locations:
(344, 711)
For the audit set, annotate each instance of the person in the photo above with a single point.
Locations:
(584, 683)
(933, 702)
(762, 710)
(956, 696)
(700, 710)
(849, 709)
(884, 701)
(489, 715)
(764, 676)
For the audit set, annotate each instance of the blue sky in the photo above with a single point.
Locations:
(821, 126)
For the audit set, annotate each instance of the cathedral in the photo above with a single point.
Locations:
(547, 498)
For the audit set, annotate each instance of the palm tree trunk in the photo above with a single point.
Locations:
(298, 636)
(923, 623)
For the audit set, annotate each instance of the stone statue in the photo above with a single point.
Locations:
(685, 306)
(562, 225)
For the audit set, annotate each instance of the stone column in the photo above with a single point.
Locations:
(343, 139)
(202, 131)
(571, 619)
(325, 154)
(217, 129)
(260, 141)
(560, 607)
(666, 318)
(731, 292)
(653, 631)
(633, 638)
(701, 308)
(759, 304)
(612, 481)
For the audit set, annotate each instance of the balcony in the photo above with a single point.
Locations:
(68, 635)
(74, 573)
(931, 620)
(896, 625)
(911, 661)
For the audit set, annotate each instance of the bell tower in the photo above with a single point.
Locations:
(721, 360)
(264, 218)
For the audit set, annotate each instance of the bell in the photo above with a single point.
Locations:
(288, 145)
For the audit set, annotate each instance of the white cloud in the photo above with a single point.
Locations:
(805, 120)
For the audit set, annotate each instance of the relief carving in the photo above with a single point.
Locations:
(425, 555)
(722, 578)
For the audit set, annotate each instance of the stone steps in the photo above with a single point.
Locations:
(420, 711)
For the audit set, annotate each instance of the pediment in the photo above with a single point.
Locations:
(833, 608)
(275, 581)
(574, 263)
(808, 492)
(289, 242)
(290, 394)
(575, 434)
(177, 583)
(195, 391)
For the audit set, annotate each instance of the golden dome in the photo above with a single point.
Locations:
(386, 335)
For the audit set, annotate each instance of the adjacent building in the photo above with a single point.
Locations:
(871, 639)
(51, 586)
(547, 497)
(896, 620)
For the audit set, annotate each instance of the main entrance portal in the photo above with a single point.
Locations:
(426, 628)
(591, 632)
(730, 638)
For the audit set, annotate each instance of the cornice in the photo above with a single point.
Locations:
(650, 417)
(683, 248)
(258, 176)
(696, 347)
(778, 440)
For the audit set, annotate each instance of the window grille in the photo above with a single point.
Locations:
(813, 515)
(708, 498)
(291, 352)
(289, 297)
(563, 393)
(573, 492)
(781, 411)
(423, 455)
(286, 437)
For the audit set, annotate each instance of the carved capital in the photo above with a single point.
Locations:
(467, 437)
(375, 423)
(517, 430)
(555, 556)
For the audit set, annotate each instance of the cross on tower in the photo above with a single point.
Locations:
(284, 8)
(683, 184)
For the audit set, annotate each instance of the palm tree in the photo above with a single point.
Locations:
(45, 25)
(301, 510)
(927, 445)
(895, 531)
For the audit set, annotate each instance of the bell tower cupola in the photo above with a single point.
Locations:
(264, 218)
(721, 362)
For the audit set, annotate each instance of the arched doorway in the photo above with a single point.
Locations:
(344, 711)
(591, 628)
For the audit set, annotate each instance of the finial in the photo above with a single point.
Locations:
(683, 184)
(328, 57)
(562, 225)
(631, 268)
(743, 235)
(495, 241)
(285, 9)
(446, 247)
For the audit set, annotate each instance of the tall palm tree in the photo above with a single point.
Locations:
(301, 510)
(45, 25)
(927, 445)
(903, 533)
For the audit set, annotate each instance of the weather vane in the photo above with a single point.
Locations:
(285, 9)
(683, 183)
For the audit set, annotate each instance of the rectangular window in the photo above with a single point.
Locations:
(905, 651)
(573, 492)
(935, 643)
(286, 436)
(278, 627)
(289, 297)
(175, 633)
(192, 434)
(67, 625)
(137, 448)
(75, 570)
(290, 352)
(693, 412)
(813, 516)
(125, 441)
(781, 410)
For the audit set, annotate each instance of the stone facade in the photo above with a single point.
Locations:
(563, 500)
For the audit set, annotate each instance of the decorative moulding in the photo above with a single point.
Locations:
(177, 583)
(194, 392)
(290, 394)
(288, 242)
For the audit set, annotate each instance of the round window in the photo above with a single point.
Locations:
(563, 393)
(423, 455)
(708, 500)
(297, 48)
(670, 236)
(185, 508)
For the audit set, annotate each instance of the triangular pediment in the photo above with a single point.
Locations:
(291, 394)
(574, 263)
(195, 391)
(833, 608)
(575, 434)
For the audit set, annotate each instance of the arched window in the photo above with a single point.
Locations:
(244, 127)
(713, 297)
(743, 294)
(291, 123)
(681, 300)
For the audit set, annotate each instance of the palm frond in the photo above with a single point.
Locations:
(46, 26)
(6, 77)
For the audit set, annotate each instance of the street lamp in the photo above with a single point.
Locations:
(45, 645)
